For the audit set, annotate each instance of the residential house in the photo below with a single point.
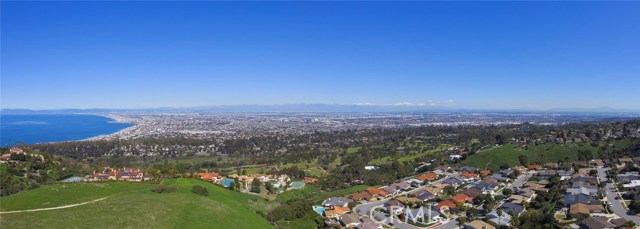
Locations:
(350, 220)
(570, 199)
(504, 219)
(619, 222)
(583, 209)
(462, 198)
(485, 173)
(632, 184)
(336, 201)
(467, 176)
(520, 169)
(428, 177)
(363, 196)
(596, 162)
(473, 192)
(402, 186)
(583, 190)
(565, 174)
(536, 187)
(596, 222)
(512, 208)
(453, 181)
(625, 160)
(500, 177)
(446, 207)
(628, 177)
(585, 179)
(546, 174)
(422, 214)
(469, 169)
(310, 180)
(508, 171)
(478, 224)
(434, 190)
(425, 195)
(394, 207)
(526, 192)
(378, 192)
(414, 182)
(551, 165)
(519, 199)
(409, 200)
(487, 187)
(336, 212)
(534, 167)
(391, 189)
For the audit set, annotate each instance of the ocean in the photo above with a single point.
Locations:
(36, 128)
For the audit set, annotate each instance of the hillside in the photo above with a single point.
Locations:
(133, 205)
(508, 154)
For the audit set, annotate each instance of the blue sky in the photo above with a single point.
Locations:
(534, 55)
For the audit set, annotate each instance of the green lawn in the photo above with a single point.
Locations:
(508, 154)
(354, 149)
(133, 205)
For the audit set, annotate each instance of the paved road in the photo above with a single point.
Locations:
(616, 206)
(520, 180)
(450, 225)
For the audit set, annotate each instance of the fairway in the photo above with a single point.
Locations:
(133, 205)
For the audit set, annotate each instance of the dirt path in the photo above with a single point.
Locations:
(55, 208)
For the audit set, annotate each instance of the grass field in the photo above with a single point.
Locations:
(133, 205)
(508, 154)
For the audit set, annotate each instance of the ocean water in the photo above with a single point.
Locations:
(36, 128)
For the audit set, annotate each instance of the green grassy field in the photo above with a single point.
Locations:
(508, 154)
(133, 205)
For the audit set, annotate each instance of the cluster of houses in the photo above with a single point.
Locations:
(581, 196)
(123, 174)
(6, 157)
(280, 182)
(422, 190)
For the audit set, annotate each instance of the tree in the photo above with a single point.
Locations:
(269, 187)
(255, 186)
(507, 191)
(200, 190)
(449, 190)
(500, 140)
(524, 160)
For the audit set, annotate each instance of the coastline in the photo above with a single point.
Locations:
(116, 119)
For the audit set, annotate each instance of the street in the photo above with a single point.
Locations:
(616, 206)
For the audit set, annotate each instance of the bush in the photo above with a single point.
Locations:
(162, 189)
(200, 190)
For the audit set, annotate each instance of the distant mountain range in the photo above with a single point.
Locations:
(314, 108)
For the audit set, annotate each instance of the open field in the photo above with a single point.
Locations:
(133, 205)
(494, 157)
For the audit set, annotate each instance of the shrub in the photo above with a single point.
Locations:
(198, 189)
(162, 188)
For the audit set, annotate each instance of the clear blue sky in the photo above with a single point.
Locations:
(471, 55)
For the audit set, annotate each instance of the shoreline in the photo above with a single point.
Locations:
(117, 119)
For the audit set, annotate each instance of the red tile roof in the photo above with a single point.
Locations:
(461, 198)
(428, 176)
(446, 203)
